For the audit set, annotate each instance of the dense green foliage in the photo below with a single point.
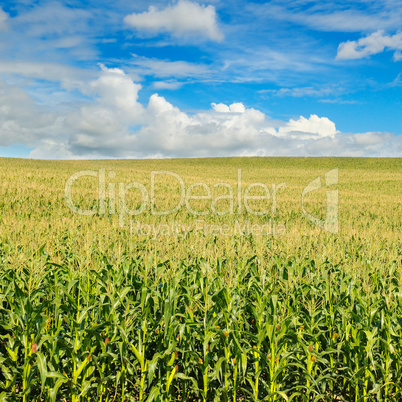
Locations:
(133, 334)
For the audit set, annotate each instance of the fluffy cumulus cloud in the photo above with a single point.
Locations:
(375, 43)
(111, 122)
(182, 19)
(233, 108)
(118, 92)
(314, 127)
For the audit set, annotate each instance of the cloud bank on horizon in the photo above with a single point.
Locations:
(192, 79)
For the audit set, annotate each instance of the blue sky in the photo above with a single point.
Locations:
(133, 79)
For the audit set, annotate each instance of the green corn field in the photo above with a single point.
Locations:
(121, 307)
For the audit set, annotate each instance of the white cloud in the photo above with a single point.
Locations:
(233, 108)
(170, 85)
(69, 77)
(112, 123)
(346, 20)
(53, 19)
(166, 68)
(221, 108)
(398, 56)
(3, 20)
(117, 91)
(397, 82)
(302, 91)
(51, 31)
(368, 139)
(328, 15)
(22, 121)
(375, 43)
(314, 127)
(183, 19)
